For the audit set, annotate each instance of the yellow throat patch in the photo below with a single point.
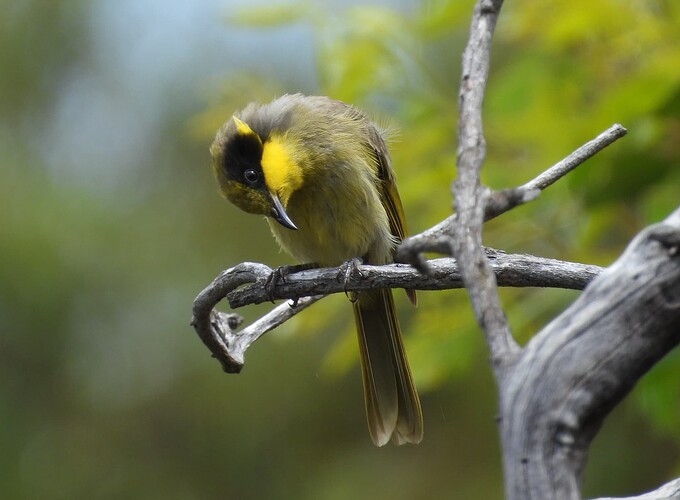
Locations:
(282, 174)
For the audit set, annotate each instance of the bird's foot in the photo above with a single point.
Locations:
(347, 271)
(280, 274)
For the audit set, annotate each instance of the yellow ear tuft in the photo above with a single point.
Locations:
(242, 127)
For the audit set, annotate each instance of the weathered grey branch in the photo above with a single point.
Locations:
(669, 491)
(555, 393)
(563, 167)
(512, 270)
(470, 197)
(217, 330)
(245, 284)
(436, 239)
(572, 373)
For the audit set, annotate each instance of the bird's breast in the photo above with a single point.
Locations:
(336, 221)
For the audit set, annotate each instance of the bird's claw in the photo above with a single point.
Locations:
(347, 271)
(279, 275)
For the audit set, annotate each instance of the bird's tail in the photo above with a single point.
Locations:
(392, 404)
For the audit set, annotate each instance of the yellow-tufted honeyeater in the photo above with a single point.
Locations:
(320, 171)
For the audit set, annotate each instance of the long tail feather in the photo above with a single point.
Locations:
(392, 404)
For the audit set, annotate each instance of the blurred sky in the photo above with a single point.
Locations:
(148, 53)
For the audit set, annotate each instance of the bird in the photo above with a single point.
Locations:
(320, 172)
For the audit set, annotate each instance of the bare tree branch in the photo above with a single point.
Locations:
(502, 201)
(436, 239)
(555, 393)
(470, 197)
(245, 284)
(669, 491)
(217, 330)
(512, 270)
(573, 372)
(563, 167)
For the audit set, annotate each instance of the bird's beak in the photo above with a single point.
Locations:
(279, 214)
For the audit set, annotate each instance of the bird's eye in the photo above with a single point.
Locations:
(251, 176)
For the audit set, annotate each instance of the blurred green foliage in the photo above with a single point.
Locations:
(110, 224)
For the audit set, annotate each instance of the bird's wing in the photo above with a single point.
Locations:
(387, 185)
(389, 195)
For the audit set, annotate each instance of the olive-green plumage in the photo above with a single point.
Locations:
(320, 171)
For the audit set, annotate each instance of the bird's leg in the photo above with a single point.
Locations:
(279, 275)
(346, 271)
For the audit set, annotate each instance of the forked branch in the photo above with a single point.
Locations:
(245, 284)
(471, 198)
(436, 240)
(555, 392)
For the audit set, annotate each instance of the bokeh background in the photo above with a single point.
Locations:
(110, 224)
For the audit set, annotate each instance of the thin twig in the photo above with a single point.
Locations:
(436, 239)
(240, 341)
(563, 167)
(217, 330)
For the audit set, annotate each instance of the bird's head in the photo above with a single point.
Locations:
(256, 170)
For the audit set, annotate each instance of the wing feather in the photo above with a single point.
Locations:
(389, 195)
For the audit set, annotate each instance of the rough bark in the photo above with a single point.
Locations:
(572, 373)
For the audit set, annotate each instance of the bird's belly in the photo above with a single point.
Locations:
(322, 244)
(331, 233)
